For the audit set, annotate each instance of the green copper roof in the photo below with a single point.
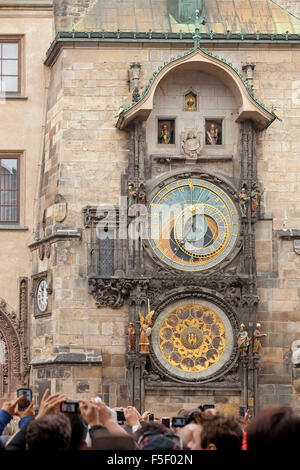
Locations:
(238, 16)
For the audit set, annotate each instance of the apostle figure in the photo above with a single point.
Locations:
(165, 137)
(131, 333)
(257, 335)
(213, 137)
(243, 340)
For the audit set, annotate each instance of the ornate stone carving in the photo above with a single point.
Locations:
(296, 352)
(192, 143)
(110, 292)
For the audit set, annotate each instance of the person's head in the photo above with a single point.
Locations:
(50, 433)
(165, 127)
(190, 435)
(79, 431)
(273, 429)
(217, 432)
(154, 435)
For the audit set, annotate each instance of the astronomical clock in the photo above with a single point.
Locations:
(192, 225)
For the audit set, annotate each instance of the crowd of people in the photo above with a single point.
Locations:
(61, 425)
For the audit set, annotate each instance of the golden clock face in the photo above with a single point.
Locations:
(192, 225)
(192, 340)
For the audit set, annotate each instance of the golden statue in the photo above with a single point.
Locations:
(190, 103)
(145, 332)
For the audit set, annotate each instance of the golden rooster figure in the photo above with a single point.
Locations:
(145, 332)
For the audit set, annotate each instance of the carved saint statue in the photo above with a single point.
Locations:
(244, 202)
(142, 197)
(165, 136)
(131, 333)
(145, 332)
(213, 137)
(192, 143)
(257, 335)
(131, 196)
(243, 340)
(256, 195)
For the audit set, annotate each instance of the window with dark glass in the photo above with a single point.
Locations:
(9, 189)
(9, 66)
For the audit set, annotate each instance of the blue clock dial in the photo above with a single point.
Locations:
(192, 225)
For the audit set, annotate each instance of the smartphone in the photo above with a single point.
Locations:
(120, 417)
(151, 417)
(179, 422)
(166, 422)
(69, 407)
(242, 411)
(26, 393)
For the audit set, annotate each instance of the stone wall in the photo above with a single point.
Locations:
(87, 160)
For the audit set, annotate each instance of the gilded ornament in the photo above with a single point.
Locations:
(192, 338)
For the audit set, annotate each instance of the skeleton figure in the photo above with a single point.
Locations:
(296, 352)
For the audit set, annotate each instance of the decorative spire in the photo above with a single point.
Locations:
(199, 20)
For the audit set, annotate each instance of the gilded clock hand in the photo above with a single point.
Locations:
(192, 190)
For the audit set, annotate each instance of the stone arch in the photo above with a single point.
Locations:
(249, 107)
(13, 368)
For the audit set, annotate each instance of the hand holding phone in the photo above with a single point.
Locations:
(26, 399)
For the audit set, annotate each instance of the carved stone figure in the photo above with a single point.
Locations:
(145, 332)
(192, 143)
(243, 340)
(165, 136)
(257, 335)
(131, 333)
(132, 195)
(296, 352)
(256, 195)
(244, 202)
(142, 197)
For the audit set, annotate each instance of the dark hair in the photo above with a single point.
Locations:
(273, 429)
(225, 432)
(79, 430)
(50, 433)
(152, 427)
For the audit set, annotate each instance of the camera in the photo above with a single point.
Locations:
(179, 422)
(69, 407)
(26, 395)
(151, 417)
(120, 417)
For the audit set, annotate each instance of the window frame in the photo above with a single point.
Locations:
(18, 158)
(13, 41)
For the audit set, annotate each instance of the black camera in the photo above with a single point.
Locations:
(151, 417)
(179, 422)
(166, 422)
(120, 417)
(69, 407)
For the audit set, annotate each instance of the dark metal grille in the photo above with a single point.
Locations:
(106, 255)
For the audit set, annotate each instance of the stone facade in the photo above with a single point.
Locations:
(80, 349)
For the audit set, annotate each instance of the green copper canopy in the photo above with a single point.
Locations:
(238, 16)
